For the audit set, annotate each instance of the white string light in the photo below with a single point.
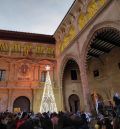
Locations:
(48, 100)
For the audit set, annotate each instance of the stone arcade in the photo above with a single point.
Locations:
(83, 55)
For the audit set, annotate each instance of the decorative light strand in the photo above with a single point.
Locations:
(48, 100)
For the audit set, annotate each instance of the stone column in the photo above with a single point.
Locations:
(32, 72)
(51, 73)
(85, 87)
(36, 72)
(32, 104)
(9, 104)
(11, 72)
(59, 85)
(62, 98)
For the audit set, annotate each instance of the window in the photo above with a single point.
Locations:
(119, 65)
(2, 74)
(43, 76)
(96, 73)
(73, 75)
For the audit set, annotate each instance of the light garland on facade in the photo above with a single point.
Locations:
(48, 100)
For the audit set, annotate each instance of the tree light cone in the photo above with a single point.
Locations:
(48, 100)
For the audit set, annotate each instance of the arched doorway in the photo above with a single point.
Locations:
(23, 103)
(71, 83)
(103, 62)
(74, 103)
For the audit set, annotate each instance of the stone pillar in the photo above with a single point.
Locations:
(59, 84)
(32, 73)
(36, 73)
(11, 72)
(51, 73)
(85, 87)
(9, 104)
(62, 100)
(32, 101)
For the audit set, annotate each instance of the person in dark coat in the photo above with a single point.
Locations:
(3, 125)
(108, 124)
(31, 124)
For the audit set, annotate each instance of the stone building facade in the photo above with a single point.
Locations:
(84, 58)
(89, 38)
(22, 69)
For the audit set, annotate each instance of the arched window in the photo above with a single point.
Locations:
(43, 76)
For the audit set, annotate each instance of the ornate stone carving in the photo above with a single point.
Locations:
(84, 5)
(24, 49)
(24, 69)
(88, 8)
(92, 7)
(68, 38)
(23, 72)
(82, 20)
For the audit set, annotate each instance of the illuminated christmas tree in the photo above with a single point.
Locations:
(48, 100)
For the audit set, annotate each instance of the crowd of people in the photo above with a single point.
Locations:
(61, 120)
(106, 118)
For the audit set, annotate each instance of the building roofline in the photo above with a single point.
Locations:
(65, 16)
(26, 36)
(32, 37)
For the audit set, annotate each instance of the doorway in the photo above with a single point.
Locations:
(74, 103)
(22, 103)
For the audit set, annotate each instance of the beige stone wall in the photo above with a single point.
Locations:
(79, 46)
(71, 87)
(15, 93)
(29, 85)
(108, 81)
(37, 99)
(8, 96)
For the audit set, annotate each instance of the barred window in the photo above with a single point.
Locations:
(2, 74)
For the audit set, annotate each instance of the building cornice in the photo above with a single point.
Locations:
(26, 37)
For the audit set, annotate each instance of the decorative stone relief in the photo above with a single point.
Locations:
(24, 69)
(92, 8)
(68, 38)
(24, 49)
(87, 10)
(24, 72)
(84, 5)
